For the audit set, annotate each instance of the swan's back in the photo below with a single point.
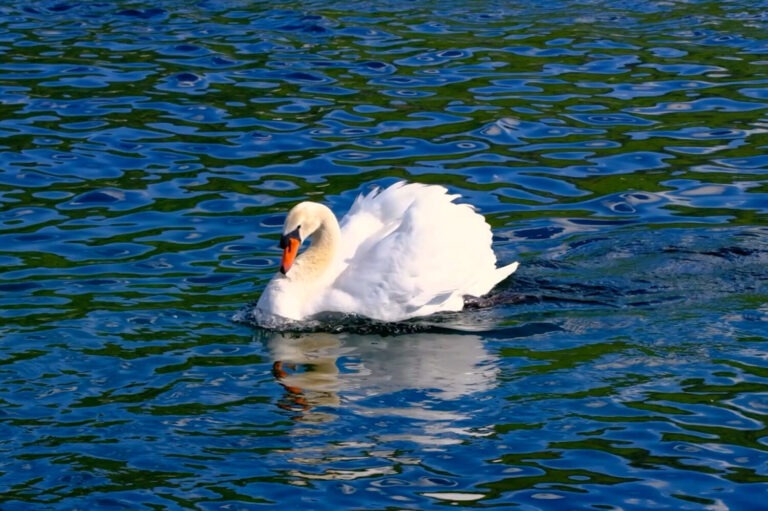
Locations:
(410, 250)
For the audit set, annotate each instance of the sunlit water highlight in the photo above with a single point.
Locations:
(149, 152)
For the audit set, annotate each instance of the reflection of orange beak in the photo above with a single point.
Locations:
(290, 249)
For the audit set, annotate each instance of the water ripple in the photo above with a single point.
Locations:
(149, 153)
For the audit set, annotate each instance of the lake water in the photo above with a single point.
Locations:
(150, 150)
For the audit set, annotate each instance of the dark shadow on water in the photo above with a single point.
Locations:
(474, 319)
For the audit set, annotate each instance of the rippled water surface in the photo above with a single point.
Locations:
(149, 151)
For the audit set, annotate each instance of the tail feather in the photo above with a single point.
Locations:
(494, 279)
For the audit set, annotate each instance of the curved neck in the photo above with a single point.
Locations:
(314, 262)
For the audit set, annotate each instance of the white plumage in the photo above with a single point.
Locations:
(408, 250)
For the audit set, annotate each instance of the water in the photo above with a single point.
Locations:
(149, 151)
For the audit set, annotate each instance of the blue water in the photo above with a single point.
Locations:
(150, 150)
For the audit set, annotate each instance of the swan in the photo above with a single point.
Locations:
(405, 251)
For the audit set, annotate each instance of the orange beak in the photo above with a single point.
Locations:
(290, 249)
(290, 244)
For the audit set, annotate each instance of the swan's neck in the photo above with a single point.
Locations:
(314, 263)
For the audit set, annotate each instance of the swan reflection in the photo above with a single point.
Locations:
(406, 375)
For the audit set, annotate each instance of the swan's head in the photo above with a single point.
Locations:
(302, 221)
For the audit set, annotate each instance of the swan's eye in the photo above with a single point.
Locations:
(294, 234)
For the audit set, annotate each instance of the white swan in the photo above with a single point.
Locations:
(408, 250)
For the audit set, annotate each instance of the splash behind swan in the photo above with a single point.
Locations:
(402, 252)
